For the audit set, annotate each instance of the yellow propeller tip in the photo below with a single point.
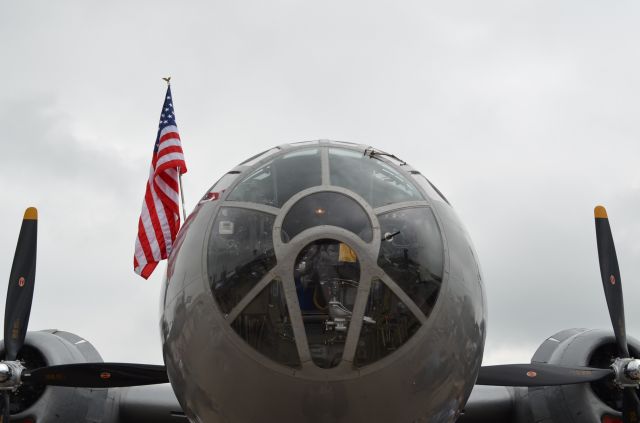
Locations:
(600, 212)
(31, 214)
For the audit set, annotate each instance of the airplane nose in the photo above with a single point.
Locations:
(313, 288)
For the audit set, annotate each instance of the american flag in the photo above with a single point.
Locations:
(160, 218)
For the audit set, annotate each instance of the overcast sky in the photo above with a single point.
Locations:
(524, 113)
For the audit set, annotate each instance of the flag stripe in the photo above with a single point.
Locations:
(170, 143)
(165, 231)
(170, 157)
(154, 218)
(169, 181)
(169, 135)
(144, 243)
(150, 234)
(171, 149)
(164, 129)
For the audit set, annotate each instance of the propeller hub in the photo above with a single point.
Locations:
(627, 372)
(632, 371)
(10, 375)
(5, 372)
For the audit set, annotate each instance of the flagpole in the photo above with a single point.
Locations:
(184, 210)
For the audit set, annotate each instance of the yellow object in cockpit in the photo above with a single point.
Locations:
(346, 254)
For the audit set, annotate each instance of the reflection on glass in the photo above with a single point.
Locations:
(277, 181)
(413, 254)
(327, 274)
(388, 324)
(239, 254)
(265, 325)
(220, 187)
(372, 179)
(327, 208)
(432, 191)
(262, 155)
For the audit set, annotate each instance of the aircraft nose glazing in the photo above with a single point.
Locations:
(318, 252)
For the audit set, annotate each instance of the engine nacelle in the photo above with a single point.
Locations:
(57, 404)
(584, 403)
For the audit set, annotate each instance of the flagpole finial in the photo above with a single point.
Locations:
(168, 80)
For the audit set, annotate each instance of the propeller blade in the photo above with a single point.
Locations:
(610, 273)
(538, 374)
(630, 406)
(21, 283)
(6, 411)
(97, 375)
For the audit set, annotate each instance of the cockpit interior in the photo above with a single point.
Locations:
(324, 251)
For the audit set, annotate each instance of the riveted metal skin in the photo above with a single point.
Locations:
(218, 377)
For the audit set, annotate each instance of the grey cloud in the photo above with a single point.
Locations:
(523, 113)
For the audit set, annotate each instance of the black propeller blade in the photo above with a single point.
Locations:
(97, 375)
(610, 273)
(538, 374)
(17, 311)
(6, 412)
(20, 294)
(21, 283)
(18, 308)
(630, 406)
(612, 284)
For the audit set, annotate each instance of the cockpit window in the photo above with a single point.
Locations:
(266, 326)
(255, 159)
(315, 270)
(277, 181)
(427, 185)
(221, 186)
(327, 274)
(411, 254)
(375, 181)
(240, 253)
(327, 208)
(388, 324)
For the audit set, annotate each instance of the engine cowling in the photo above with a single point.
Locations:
(584, 403)
(56, 404)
